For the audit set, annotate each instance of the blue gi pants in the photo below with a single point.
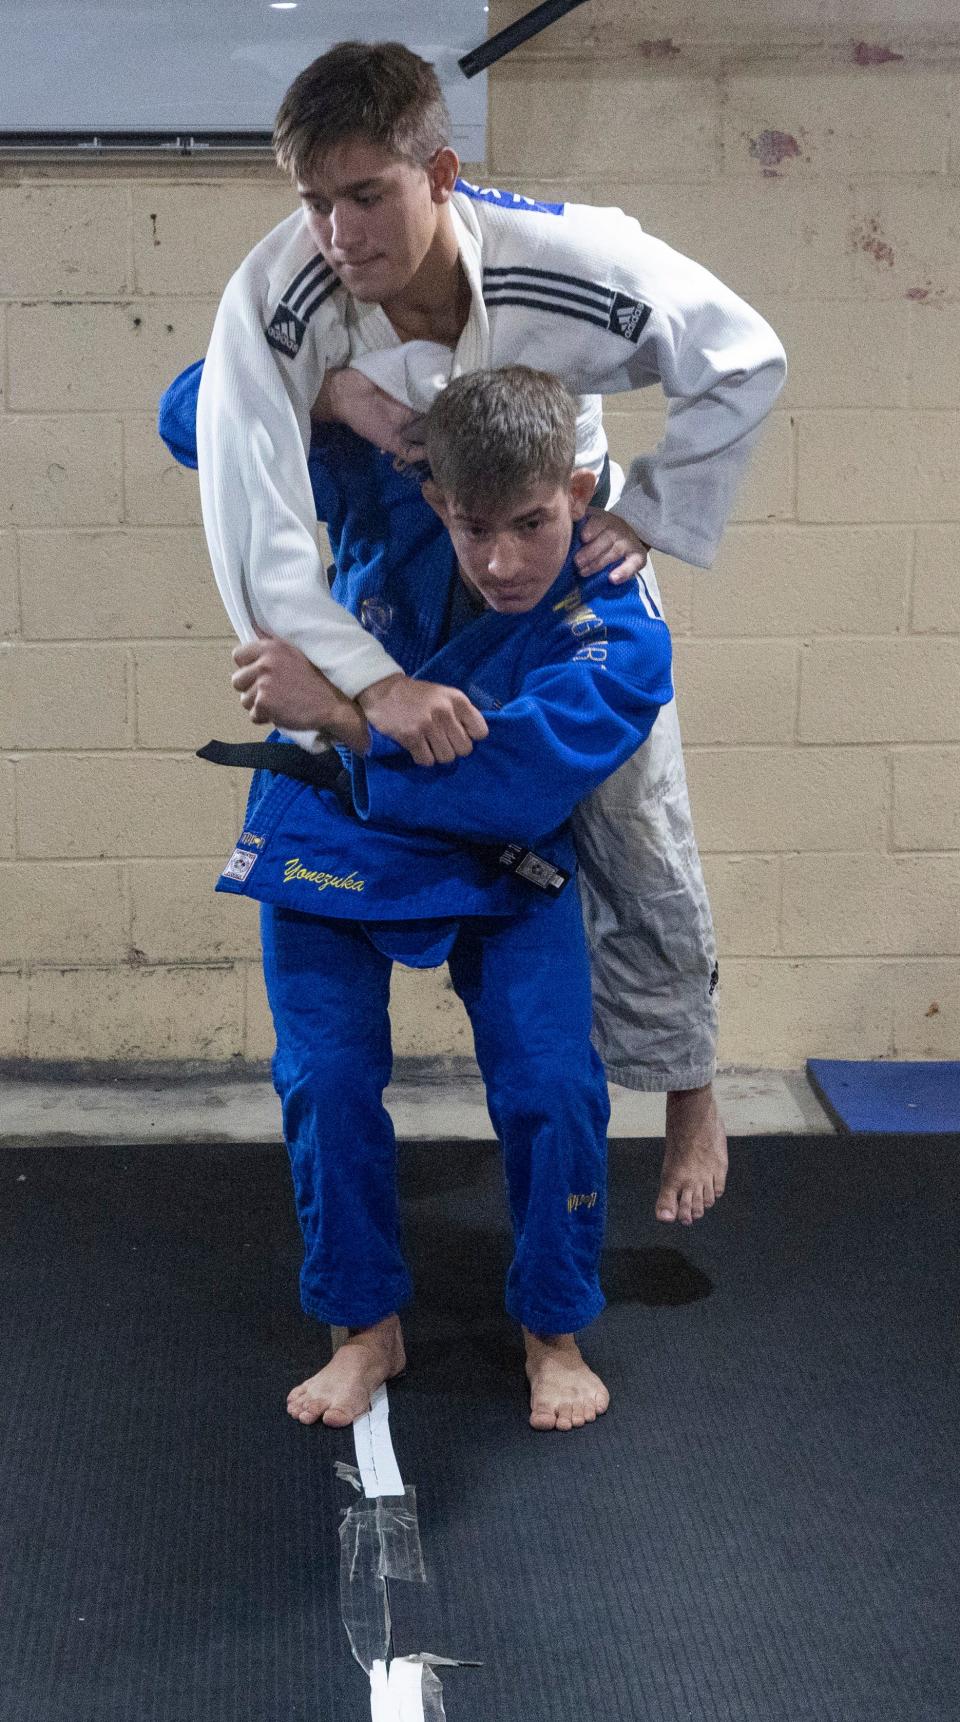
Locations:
(526, 986)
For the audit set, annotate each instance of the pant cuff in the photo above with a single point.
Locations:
(552, 1321)
(354, 1315)
(644, 1080)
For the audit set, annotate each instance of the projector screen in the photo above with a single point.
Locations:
(177, 69)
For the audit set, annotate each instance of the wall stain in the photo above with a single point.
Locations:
(871, 54)
(664, 48)
(771, 148)
(870, 240)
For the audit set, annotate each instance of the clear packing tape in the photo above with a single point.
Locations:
(380, 1540)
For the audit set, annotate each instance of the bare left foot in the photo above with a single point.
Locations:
(564, 1393)
(695, 1156)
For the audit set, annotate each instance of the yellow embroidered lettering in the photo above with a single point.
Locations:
(294, 872)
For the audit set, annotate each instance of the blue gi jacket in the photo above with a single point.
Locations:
(569, 690)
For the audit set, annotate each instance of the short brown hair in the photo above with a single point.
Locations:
(379, 91)
(492, 434)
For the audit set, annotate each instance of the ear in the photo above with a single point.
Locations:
(434, 495)
(442, 170)
(583, 483)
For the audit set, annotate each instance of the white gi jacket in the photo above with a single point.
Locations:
(582, 292)
(586, 294)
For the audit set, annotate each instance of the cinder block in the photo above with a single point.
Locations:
(789, 580)
(159, 492)
(926, 1009)
(778, 1012)
(259, 1040)
(926, 803)
(190, 238)
(63, 241)
(119, 585)
(98, 358)
(62, 913)
(184, 696)
(676, 138)
(178, 917)
(906, 238)
(139, 805)
(744, 895)
(136, 1013)
(14, 992)
(426, 1016)
(62, 471)
(880, 690)
(871, 905)
(740, 691)
(9, 596)
(63, 696)
(878, 466)
(936, 581)
(836, 123)
(767, 238)
(934, 354)
(7, 810)
(775, 799)
(843, 353)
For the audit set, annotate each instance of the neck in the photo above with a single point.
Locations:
(435, 304)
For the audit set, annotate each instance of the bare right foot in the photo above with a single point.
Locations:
(341, 1392)
(564, 1392)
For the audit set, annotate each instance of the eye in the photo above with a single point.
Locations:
(368, 199)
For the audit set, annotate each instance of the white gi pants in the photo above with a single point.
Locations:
(647, 918)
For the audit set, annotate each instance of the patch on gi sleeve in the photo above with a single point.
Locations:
(239, 865)
(628, 317)
(286, 331)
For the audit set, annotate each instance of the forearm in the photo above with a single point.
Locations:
(540, 758)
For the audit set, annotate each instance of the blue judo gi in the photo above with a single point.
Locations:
(421, 865)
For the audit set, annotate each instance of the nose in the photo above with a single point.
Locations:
(343, 230)
(503, 561)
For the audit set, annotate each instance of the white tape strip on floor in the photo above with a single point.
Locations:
(375, 1456)
(397, 1696)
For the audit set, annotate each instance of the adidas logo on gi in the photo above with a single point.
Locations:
(628, 317)
(286, 332)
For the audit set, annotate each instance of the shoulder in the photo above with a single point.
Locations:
(616, 627)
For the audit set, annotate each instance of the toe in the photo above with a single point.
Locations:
(667, 1205)
(542, 1418)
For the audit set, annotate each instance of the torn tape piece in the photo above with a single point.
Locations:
(375, 1456)
(401, 1556)
(364, 1604)
(348, 1474)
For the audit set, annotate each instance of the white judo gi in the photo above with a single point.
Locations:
(586, 294)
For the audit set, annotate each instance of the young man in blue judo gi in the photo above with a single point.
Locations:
(470, 862)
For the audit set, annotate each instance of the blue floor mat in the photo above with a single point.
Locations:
(884, 1098)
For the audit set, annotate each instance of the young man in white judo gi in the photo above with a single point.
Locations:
(391, 247)
(470, 863)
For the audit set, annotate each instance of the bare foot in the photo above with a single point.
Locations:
(564, 1393)
(342, 1391)
(695, 1157)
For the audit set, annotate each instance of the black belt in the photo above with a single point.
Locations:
(327, 771)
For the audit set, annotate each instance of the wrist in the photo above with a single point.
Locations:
(370, 695)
